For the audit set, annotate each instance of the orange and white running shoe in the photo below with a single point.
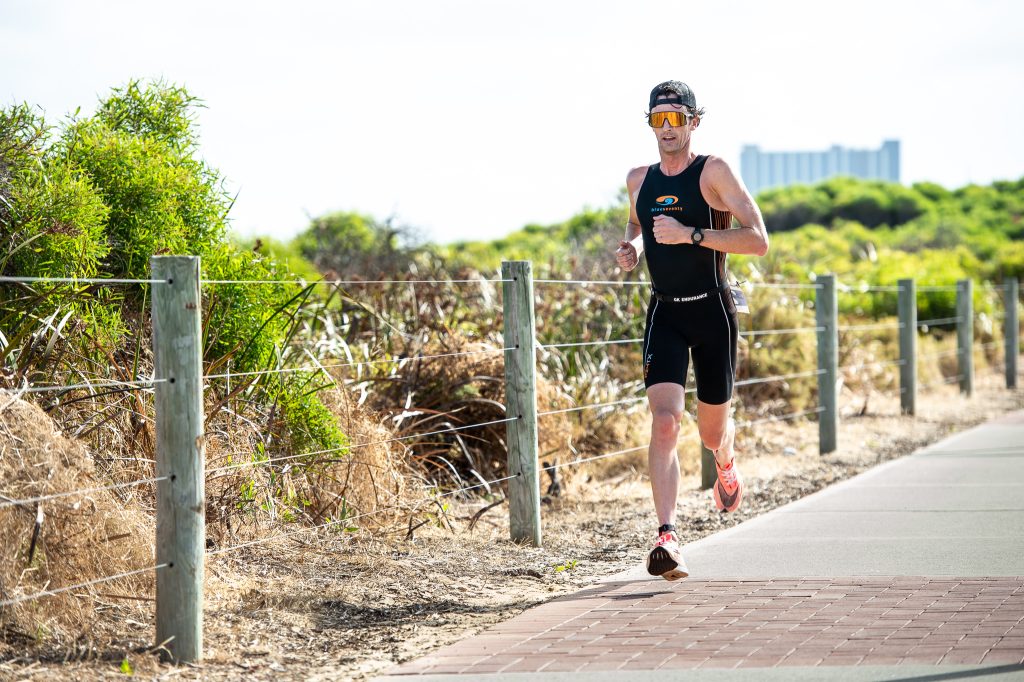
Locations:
(728, 490)
(666, 559)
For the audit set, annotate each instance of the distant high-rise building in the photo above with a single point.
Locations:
(764, 170)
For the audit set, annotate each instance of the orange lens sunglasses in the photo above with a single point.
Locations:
(674, 118)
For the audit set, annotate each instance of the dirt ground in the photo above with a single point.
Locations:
(350, 606)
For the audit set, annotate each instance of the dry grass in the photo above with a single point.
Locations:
(80, 538)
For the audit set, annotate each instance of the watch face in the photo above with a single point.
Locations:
(698, 236)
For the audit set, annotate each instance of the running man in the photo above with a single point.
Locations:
(680, 215)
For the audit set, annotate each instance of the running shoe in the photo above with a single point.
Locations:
(728, 490)
(666, 559)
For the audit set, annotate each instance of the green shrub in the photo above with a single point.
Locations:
(351, 245)
(115, 189)
(139, 152)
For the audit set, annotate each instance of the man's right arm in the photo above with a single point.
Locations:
(628, 253)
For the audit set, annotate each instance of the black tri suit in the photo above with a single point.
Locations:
(691, 307)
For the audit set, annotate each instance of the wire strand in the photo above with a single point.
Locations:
(779, 377)
(317, 368)
(597, 405)
(783, 285)
(85, 491)
(866, 289)
(868, 327)
(274, 460)
(97, 581)
(941, 320)
(586, 343)
(75, 387)
(82, 280)
(574, 462)
(338, 282)
(585, 282)
(795, 330)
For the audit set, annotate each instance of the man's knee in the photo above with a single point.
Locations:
(713, 437)
(665, 425)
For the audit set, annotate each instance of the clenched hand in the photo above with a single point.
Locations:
(626, 256)
(670, 231)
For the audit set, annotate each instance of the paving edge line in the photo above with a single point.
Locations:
(868, 673)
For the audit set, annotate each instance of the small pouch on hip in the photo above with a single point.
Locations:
(739, 299)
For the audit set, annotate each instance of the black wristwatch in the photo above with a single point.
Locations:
(697, 237)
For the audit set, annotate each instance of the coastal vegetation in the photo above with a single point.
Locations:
(370, 393)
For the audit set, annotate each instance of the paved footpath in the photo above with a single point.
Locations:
(913, 570)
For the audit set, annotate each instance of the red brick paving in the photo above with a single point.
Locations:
(752, 623)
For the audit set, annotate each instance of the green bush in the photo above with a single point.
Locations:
(113, 190)
(351, 245)
(139, 152)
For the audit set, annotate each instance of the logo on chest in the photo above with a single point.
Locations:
(666, 202)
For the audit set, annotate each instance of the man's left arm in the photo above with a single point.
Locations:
(729, 194)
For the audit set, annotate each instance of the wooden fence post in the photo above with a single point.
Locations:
(180, 456)
(827, 316)
(708, 472)
(907, 312)
(965, 335)
(1011, 332)
(521, 402)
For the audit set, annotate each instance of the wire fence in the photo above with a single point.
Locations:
(346, 520)
(366, 363)
(354, 282)
(70, 588)
(938, 321)
(773, 332)
(355, 446)
(78, 280)
(8, 502)
(144, 383)
(869, 327)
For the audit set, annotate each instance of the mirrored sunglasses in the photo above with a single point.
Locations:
(674, 118)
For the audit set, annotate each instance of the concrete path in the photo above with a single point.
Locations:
(913, 570)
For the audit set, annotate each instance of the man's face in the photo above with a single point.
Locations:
(673, 138)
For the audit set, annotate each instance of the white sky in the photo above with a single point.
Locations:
(527, 111)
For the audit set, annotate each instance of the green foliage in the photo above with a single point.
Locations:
(57, 224)
(139, 153)
(160, 111)
(250, 325)
(310, 425)
(52, 220)
(350, 245)
(795, 206)
(286, 254)
(869, 202)
(110, 192)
